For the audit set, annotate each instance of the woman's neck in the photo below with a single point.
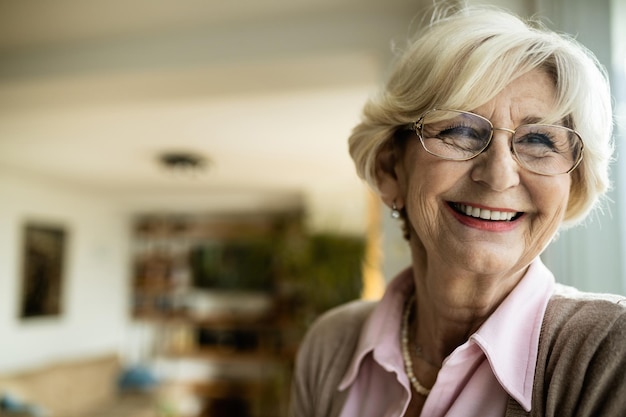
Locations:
(451, 305)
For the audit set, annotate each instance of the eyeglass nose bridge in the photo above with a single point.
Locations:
(511, 131)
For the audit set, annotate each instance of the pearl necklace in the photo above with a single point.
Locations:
(408, 363)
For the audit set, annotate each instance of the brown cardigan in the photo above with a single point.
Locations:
(581, 367)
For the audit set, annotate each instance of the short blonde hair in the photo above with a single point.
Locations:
(463, 59)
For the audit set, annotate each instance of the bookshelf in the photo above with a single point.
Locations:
(216, 292)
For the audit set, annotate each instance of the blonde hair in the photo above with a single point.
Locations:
(463, 59)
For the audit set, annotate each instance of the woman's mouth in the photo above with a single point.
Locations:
(485, 214)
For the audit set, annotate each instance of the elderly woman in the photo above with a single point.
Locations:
(489, 136)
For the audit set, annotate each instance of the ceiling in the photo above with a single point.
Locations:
(267, 91)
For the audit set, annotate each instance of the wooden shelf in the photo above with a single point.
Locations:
(226, 388)
(169, 250)
(214, 320)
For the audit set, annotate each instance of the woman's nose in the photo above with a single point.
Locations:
(496, 166)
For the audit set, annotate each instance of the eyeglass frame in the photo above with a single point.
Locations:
(418, 125)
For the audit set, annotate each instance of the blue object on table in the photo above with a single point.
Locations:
(137, 378)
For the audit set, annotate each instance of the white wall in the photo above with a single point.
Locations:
(95, 292)
(520, 7)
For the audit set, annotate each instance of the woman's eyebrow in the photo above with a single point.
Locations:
(529, 120)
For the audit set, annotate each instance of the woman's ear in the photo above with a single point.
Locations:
(386, 177)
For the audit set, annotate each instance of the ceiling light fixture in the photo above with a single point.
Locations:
(183, 163)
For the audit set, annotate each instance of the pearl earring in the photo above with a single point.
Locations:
(395, 213)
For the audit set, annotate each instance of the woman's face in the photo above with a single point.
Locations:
(438, 193)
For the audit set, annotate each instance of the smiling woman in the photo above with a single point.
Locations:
(490, 135)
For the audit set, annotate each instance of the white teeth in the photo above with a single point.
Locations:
(485, 214)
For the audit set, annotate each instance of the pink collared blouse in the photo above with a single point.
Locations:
(475, 380)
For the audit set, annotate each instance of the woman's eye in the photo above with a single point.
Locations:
(536, 140)
(460, 132)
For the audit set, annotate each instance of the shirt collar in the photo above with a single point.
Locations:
(381, 331)
(510, 336)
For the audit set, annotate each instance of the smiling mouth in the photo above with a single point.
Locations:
(484, 214)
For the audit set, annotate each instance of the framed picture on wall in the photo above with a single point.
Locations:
(43, 258)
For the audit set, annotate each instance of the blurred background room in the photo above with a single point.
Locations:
(177, 202)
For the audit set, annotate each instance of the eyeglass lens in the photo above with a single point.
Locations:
(457, 135)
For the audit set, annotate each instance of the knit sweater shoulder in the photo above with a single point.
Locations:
(580, 372)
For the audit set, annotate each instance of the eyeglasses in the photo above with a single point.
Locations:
(459, 136)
